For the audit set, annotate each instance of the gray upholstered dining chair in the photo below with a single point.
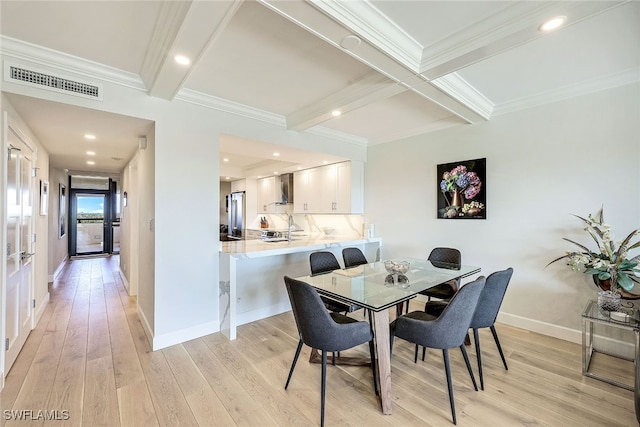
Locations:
(324, 262)
(443, 332)
(324, 331)
(486, 313)
(449, 257)
(353, 257)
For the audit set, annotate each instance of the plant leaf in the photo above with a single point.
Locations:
(625, 282)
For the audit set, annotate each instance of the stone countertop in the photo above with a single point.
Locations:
(258, 248)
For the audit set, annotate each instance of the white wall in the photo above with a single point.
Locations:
(543, 165)
(58, 246)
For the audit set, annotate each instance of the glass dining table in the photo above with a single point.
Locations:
(372, 287)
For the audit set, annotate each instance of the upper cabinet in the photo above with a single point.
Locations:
(268, 194)
(336, 188)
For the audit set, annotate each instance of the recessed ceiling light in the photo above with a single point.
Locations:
(91, 153)
(552, 23)
(299, 168)
(335, 113)
(225, 160)
(226, 177)
(182, 60)
(89, 136)
(276, 154)
(276, 173)
(324, 162)
(91, 162)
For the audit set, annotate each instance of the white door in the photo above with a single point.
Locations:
(19, 268)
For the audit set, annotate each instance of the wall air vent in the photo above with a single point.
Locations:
(56, 83)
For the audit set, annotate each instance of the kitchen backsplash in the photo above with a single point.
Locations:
(339, 225)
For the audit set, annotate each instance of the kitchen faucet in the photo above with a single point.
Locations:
(290, 225)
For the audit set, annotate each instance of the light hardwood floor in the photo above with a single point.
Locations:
(89, 357)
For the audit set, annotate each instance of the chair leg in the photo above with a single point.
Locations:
(466, 361)
(372, 352)
(447, 368)
(415, 356)
(424, 353)
(323, 388)
(476, 339)
(495, 337)
(293, 364)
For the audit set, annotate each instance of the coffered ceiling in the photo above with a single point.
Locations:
(393, 69)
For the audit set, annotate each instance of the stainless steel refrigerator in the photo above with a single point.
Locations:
(236, 212)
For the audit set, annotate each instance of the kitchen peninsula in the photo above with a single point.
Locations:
(251, 273)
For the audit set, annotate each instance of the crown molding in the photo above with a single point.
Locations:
(460, 89)
(19, 50)
(224, 105)
(325, 132)
(364, 19)
(623, 78)
(512, 26)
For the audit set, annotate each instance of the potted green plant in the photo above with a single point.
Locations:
(609, 265)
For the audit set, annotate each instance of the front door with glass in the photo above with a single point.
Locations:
(90, 223)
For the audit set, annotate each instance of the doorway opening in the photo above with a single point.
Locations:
(94, 215)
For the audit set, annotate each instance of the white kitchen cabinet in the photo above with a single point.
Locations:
(268, 194)
(307, 191)
(335, 188)
(238, 185)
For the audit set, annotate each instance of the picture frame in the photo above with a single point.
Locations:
(462, 189)
(44, 197)
(62, 217)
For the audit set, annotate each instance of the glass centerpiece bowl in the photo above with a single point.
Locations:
(396, 267)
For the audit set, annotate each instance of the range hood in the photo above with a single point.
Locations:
(286, 189)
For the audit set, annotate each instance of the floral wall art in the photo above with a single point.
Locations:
(462, 188)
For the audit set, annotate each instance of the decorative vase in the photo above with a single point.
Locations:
(605, 285)
(609, 301)
(457, 199)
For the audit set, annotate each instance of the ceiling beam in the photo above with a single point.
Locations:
(183, 28)
(511, 27)
(371, 88)
(402, 71)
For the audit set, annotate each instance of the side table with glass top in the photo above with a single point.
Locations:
(591, 315)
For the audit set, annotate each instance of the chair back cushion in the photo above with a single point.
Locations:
(491, 298)
(353, 257)
(446, 255)
(450, 328)
(323, 262)
(316, 327)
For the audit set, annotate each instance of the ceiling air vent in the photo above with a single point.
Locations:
(56, 83)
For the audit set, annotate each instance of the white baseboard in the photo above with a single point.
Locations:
(125, 282)
(145, 325)
(178, 337)
(262, 313)
(55, 274)
(539, 327)
(41, 307)
(602, 343)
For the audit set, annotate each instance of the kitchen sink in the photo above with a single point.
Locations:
(275, 239)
